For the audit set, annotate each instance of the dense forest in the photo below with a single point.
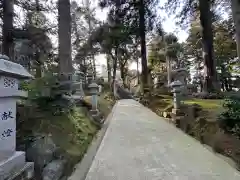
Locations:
(211, 46)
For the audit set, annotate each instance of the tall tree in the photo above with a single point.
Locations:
(235, 4)
(171, 52)
(142, 34)
(84, 24)
(225, 53)
(164, 50)
(7, 46)
(64, 37)
(193, 50)
(188, 10)
(109, 69)
(135, 19)
(90, 31)
(224, 50)
(210, 75)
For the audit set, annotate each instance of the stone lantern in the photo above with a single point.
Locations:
(11, 161)
(176, 89)
(93, 87)
(79, 83)
(89, 77)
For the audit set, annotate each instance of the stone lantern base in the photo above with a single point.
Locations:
(16, 168)
(177, 115)
(94, 112)
(96, 115)
(176, 111)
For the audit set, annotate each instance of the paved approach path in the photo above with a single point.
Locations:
(139, 145)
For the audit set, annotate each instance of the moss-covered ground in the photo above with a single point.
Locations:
(71, 132)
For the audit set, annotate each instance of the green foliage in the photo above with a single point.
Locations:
(156, 53)
(38, 86)
(48, 94)
(230, 118)
(71, 132)
(209, 104)
(163, 46)
(224, 51)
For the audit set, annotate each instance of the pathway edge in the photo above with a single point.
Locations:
(82, 168)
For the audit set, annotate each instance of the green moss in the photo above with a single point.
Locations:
(162, 102)
(72, 132)
(105, 103)
(211, 108)
(159, 103)
(205, 103)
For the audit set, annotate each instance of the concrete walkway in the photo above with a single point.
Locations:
(139, 145)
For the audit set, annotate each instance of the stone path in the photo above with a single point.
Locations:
(139, 145)
(121, 92)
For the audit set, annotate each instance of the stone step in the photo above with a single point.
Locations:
(4, 155)
(24, 173)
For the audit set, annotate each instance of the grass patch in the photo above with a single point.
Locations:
(205, 103)
(106, 102)
(159, 103)
(164, 101)
(211, 108)
(72, 132)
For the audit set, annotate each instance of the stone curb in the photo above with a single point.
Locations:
(82, 168)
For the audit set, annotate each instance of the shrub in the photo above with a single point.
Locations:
(47, 93)
(230, 118)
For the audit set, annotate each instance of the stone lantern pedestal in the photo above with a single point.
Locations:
(89, 78)
(176, 112)
(93, 87)
(79, 90)
(12, 162)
